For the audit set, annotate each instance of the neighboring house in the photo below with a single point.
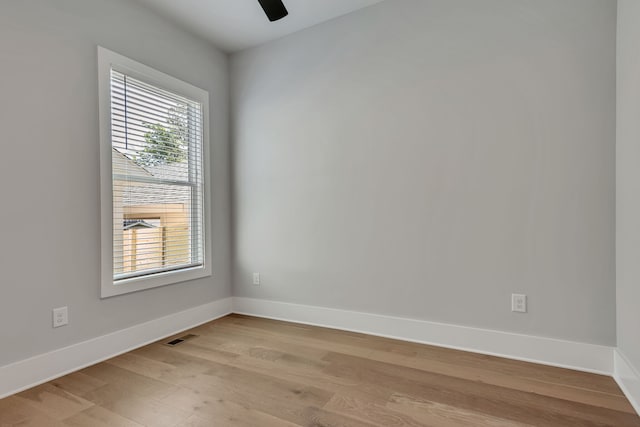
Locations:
(151, 221)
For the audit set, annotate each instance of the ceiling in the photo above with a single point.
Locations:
(234, 25)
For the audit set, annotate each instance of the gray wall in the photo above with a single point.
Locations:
(418, 158)
(427, 158)
(49, 176)
(628, 181)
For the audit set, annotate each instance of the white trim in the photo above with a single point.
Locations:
(627, 378)
(586, 357)
(548, 351)
(30, 372)
(108, 60)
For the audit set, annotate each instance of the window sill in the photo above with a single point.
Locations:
(110, 288)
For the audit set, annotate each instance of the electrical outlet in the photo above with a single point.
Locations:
(256, 279)
(519, 303)
(60, 317)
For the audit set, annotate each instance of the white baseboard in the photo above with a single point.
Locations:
(548, 351)
(30, 372)
(627, 378)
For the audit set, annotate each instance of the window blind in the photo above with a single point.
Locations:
(157, 171)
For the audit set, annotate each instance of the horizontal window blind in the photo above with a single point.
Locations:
(156, 138)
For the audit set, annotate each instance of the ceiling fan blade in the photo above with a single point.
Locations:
(274, 9)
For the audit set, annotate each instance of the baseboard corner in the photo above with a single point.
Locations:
(628, 378)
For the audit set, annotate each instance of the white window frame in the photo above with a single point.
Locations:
(108, 60)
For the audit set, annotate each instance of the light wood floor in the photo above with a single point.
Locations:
(253, 372)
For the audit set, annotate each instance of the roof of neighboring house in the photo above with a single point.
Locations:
(123, 165)
(137, 193)
(172, 171)
(129, 224)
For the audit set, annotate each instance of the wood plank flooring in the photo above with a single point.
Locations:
(245, 371)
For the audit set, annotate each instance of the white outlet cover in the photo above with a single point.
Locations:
(60, 317)
(256, 279)
(519, 303)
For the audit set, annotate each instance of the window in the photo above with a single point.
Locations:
(153, 133)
